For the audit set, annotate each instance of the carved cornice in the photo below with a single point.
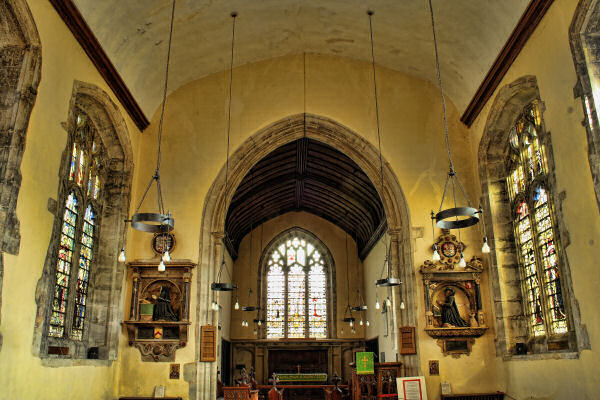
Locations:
(533, 15)
(456, 332)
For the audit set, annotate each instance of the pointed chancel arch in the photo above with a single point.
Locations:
(81, 276)
(255, 148)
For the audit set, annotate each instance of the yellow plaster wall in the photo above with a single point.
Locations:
(547, 55)
(331, 235)
(22, 375)
(338, 88)
(264, 92)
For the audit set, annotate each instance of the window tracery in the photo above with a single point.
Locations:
(534, 225)
(296, 289)
(78, 234)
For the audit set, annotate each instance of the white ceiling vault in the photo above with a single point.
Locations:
(134, 34)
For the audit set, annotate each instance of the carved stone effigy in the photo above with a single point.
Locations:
(453, 307)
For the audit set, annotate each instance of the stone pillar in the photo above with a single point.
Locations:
(206, 378)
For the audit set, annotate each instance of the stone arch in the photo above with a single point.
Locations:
(511, 326)
(260, 144)
(21, 59)
(331, 268)
(585, 47)
(106, 278)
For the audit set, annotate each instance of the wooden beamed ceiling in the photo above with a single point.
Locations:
(307, 175)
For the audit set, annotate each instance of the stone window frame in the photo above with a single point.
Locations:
(584, 38)
(505, 280)
(105, 300)
(331, 276)
(69, 186)
(18, 93)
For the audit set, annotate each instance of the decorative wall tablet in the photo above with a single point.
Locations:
(453, 308)
(159, 314)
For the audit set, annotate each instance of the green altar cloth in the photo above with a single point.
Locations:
(318, 377)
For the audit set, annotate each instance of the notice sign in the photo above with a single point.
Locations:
(411, 388)
(364, 363)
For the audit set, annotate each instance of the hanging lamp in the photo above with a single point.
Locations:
(250, 308)
(160, 221)
(348, 317)
(456, 217)
(219, 286)
(258, 320)
(389, 280)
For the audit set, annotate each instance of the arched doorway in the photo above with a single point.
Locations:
(255, 148)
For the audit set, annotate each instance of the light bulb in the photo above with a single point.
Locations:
(259, 322)
(215, 306)
(361, 322)
(342, 331)
(367, 323)
(243, 323)
(377, 305)
(353, 331)
(388, 302)
(402, 306)
(237, 305)
(485, 248)
(255, 332)
(462, 262)
(351, 324)
(122, 258)
(166, 257)
(161, 266)
(436, 255)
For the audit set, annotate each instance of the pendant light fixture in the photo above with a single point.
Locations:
(258, 321)
(250, 308)
(456, 217)
(219, 286)
(160, 221)
(348, 317)
(389, 280)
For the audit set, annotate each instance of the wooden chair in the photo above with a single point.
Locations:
(274, 393)
(239, 393)
(335, 393)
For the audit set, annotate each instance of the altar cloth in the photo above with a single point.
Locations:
(302, 377)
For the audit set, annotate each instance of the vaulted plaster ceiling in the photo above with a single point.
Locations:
(134, 35)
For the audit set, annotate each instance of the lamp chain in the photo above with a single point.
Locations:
(233, 15)
(439, 77)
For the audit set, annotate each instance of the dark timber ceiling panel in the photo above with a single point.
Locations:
(307, 175)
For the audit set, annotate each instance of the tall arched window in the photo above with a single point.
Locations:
(78, 235)
(297, 281)
(534, 225)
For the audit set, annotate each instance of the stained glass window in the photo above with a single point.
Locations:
(296, 290)
(534, 227)
(63, 267)
(78, 236)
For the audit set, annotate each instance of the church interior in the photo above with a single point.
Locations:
(287, 199)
